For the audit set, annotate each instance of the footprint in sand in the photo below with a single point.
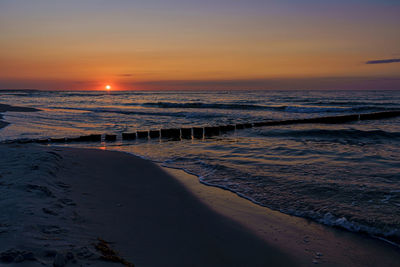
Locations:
(17, 256)
(49, 211)
(40, 188)
(67, 201)
(52, 229)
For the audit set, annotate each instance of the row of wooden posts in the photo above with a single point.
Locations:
(172, 133)
(210, 131)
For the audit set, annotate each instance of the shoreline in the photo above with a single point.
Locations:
(315, 242)
(154, 216)
(165, 218)
(175, 170)
(60, 202)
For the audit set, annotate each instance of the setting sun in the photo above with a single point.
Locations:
(108, 87)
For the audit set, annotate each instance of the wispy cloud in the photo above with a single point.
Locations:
(383, 61)
(125, 75)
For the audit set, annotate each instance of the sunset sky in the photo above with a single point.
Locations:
(208, 44)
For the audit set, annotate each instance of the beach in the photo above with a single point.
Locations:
(59, 204)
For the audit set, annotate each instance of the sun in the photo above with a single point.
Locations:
(108, 87)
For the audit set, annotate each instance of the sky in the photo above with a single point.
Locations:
(208, 44)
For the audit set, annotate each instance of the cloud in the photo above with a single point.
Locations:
(383, 61)
(125, 75)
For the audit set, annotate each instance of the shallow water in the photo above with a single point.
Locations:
(346, 175)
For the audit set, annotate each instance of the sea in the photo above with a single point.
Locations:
(342, 175)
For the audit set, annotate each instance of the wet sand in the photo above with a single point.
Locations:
(57, 202)
(154, 220)
(305, 241)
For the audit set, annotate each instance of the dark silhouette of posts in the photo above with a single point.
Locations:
(142, 134)
(128, 136)
(186, 133)
(154, 134)
(174, 133)
(198, 132)
(211, 131)
(110, 137)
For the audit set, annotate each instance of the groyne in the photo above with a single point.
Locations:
(201, 132)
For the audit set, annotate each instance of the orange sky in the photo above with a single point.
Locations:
(53, 45)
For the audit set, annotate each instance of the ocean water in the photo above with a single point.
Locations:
(345, 175)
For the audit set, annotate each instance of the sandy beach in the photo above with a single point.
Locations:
(58, 203)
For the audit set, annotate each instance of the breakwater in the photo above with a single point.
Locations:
(200, 132)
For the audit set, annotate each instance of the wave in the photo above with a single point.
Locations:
(374, 108)
(203, 105)
(148, 113)
(80, 94)
(389, 234)
(239, 106)
(301, 109)
(324, 133)
(356, 103)
(386, 233)
(16, 94)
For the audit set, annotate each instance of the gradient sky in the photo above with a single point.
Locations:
(184, 44)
